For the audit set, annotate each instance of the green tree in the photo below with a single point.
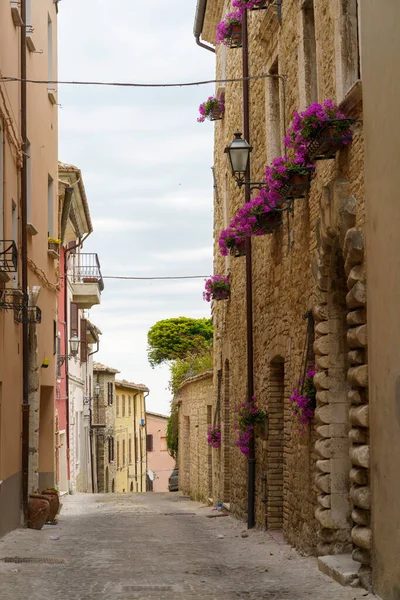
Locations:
(193, 364)
(172, 339)
(173, 432)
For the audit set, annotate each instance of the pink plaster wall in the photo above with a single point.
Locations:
(159, 461)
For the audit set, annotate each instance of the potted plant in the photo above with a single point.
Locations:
(250, 4)
(218, 287)
(259, 216)
(319, 132)
(53, 247)
(229, 30)
(38, 511)
(212, 109)
(231, 241)
(303, 400)
(54, 500)
(214, 436)
(288, 178)
(251, 422)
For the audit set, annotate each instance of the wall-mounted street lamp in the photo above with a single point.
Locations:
(74, 345)
(239, 153)
(97, 390)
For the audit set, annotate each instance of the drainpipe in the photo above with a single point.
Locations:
(24, 269)
(249, 282)
(199, 22)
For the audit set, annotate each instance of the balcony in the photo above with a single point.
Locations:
(8, 259)
(86, 280)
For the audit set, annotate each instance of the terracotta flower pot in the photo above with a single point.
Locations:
(236, 35)
(238, 249)
(216, 113)
(54, 502)
(268, 222)
(38, 511)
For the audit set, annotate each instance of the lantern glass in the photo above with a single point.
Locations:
(74, 345)
(239, 153)
(97, 390)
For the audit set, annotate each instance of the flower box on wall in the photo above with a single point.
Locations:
(296, 186)
(53, 248)
(330, 137)
(268, 222)
(236, 36)
(217, 112)
(237, 249)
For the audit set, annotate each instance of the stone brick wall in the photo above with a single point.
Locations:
(194, 401)
(106, 470)
(306, 265)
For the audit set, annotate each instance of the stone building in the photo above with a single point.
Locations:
(194, 402)
(103, 426)
(313, 485)
(130, 436)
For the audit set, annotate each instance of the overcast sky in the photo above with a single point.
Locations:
(145, 163)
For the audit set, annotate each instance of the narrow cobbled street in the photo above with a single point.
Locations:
(120, 547)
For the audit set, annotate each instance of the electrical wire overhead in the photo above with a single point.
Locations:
(138, 85)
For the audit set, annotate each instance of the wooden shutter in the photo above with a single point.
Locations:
(83, 340)
(110, 393)
(130, 450)
(149, 442)
(74, 310)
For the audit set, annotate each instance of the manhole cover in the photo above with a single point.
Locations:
(25, 559)
(147, 588)
(180, 514)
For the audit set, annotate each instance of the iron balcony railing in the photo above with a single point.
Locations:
(86, 269)
(8, 256)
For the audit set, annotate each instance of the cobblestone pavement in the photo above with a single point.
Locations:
(126, 547)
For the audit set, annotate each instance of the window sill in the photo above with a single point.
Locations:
(31, 229)
(52, 95)
(16, 14)
(30, 43)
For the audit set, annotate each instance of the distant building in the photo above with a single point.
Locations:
(130, 436)
(159, 463)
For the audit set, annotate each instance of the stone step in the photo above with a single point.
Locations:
(341, 568)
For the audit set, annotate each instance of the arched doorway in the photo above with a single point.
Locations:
(106, 482)
(113, 486)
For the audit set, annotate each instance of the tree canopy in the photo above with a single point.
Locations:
(172, 339)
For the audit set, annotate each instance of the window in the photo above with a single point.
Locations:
(123, 405)
(346, 47)
(308, 81)
(123, 453)
(273, 113)
(1, 186)
(28, 183)
(58, 342)
(117, 406)
(110, 449)
(149, 442)
(74, 311)
(130, 449)
(129, 406)
(50, 207)
(83, 340)
(118, 455)
(110, 399)
(29, 27)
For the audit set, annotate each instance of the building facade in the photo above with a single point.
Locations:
(103, 427)
(308, 285)
(29, 274)
(80, 290)
(130, 436)
(159, 463)
(196, 459)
